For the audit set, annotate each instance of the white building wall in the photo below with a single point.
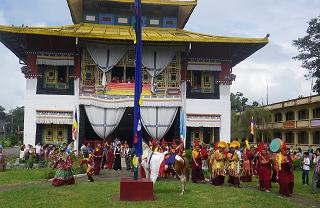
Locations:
(35, 102)
(220, 106)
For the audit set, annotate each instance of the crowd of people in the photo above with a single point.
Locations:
(241, 164)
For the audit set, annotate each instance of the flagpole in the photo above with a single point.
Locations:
(137, 139)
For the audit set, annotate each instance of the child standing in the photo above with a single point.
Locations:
(305, 168)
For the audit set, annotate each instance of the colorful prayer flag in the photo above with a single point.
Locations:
(252, 126)
(75, 125)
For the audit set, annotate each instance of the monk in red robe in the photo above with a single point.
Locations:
(247, 165)
(264, 170)
(110, 158)
(286, 178)
(97, 156)
(197, 174)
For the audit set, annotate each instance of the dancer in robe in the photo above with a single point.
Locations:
(97, 155)
(232, 167)
(247, 164)
(217, 162)
(63, 164)
(264, 170)
(110, 157)
(90, 169)
(197, 174)
(286, 178)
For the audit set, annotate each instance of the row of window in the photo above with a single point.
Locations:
(302, 115)
(112, 19)
(303, 137)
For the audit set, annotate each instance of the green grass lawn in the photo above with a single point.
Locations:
(19, 176)
(103, 194)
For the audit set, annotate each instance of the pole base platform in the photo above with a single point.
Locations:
(136, 190)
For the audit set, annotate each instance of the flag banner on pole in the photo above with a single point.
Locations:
(75, 125)
(252, 126)
(182, 137)
(137, 137)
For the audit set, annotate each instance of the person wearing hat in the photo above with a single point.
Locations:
(286, 178)
(90, 169)
(197, 174)
(63, 164)
(247, 164)
(232, 167)
(217, 161)
(264, 169)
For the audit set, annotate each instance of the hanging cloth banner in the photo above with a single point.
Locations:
(106, 56)
(104, 120)
(156, 59)
(158, 120)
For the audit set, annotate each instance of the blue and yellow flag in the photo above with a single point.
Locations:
(75, 125)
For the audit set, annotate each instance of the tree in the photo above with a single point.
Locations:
(240, 122)
(15, 119)
(2, 113)
(238, 102)
(309, 52)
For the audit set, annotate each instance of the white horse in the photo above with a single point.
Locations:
(151, 162)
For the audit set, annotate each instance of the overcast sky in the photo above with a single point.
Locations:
(285, 20)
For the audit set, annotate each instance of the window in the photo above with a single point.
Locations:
(303, 114)
(170, 22)
(289, 138)
(290, 116)
(56, 77)
(316, 137)
(202, 82)
(316, 113)
(277, 135)
(303, 138)
(277, 117)
(55, 134)
(202, 85)
(107, 19)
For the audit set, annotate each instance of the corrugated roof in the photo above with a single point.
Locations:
(111, 32)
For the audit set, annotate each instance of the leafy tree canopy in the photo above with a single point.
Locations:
(309, 52)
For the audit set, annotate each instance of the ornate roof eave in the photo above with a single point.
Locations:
(126, 33)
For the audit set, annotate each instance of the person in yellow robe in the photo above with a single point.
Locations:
(217, 162)
(232, 165)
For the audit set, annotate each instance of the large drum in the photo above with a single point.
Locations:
(275, 145)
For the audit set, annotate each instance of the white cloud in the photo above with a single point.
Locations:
(2, 19)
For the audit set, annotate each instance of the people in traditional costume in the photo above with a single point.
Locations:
(264, 169)
(154, 145)
(217, 161)
(286, 177)
(97, 155)
(197, 174)
(247, 164)
(232, 167)
(163, 163)
(117, 156)
(110, 157)
(90, 170)
(63, 175)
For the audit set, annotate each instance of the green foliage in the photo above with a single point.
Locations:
(189, 154)
(240, 122)
(309, 49)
